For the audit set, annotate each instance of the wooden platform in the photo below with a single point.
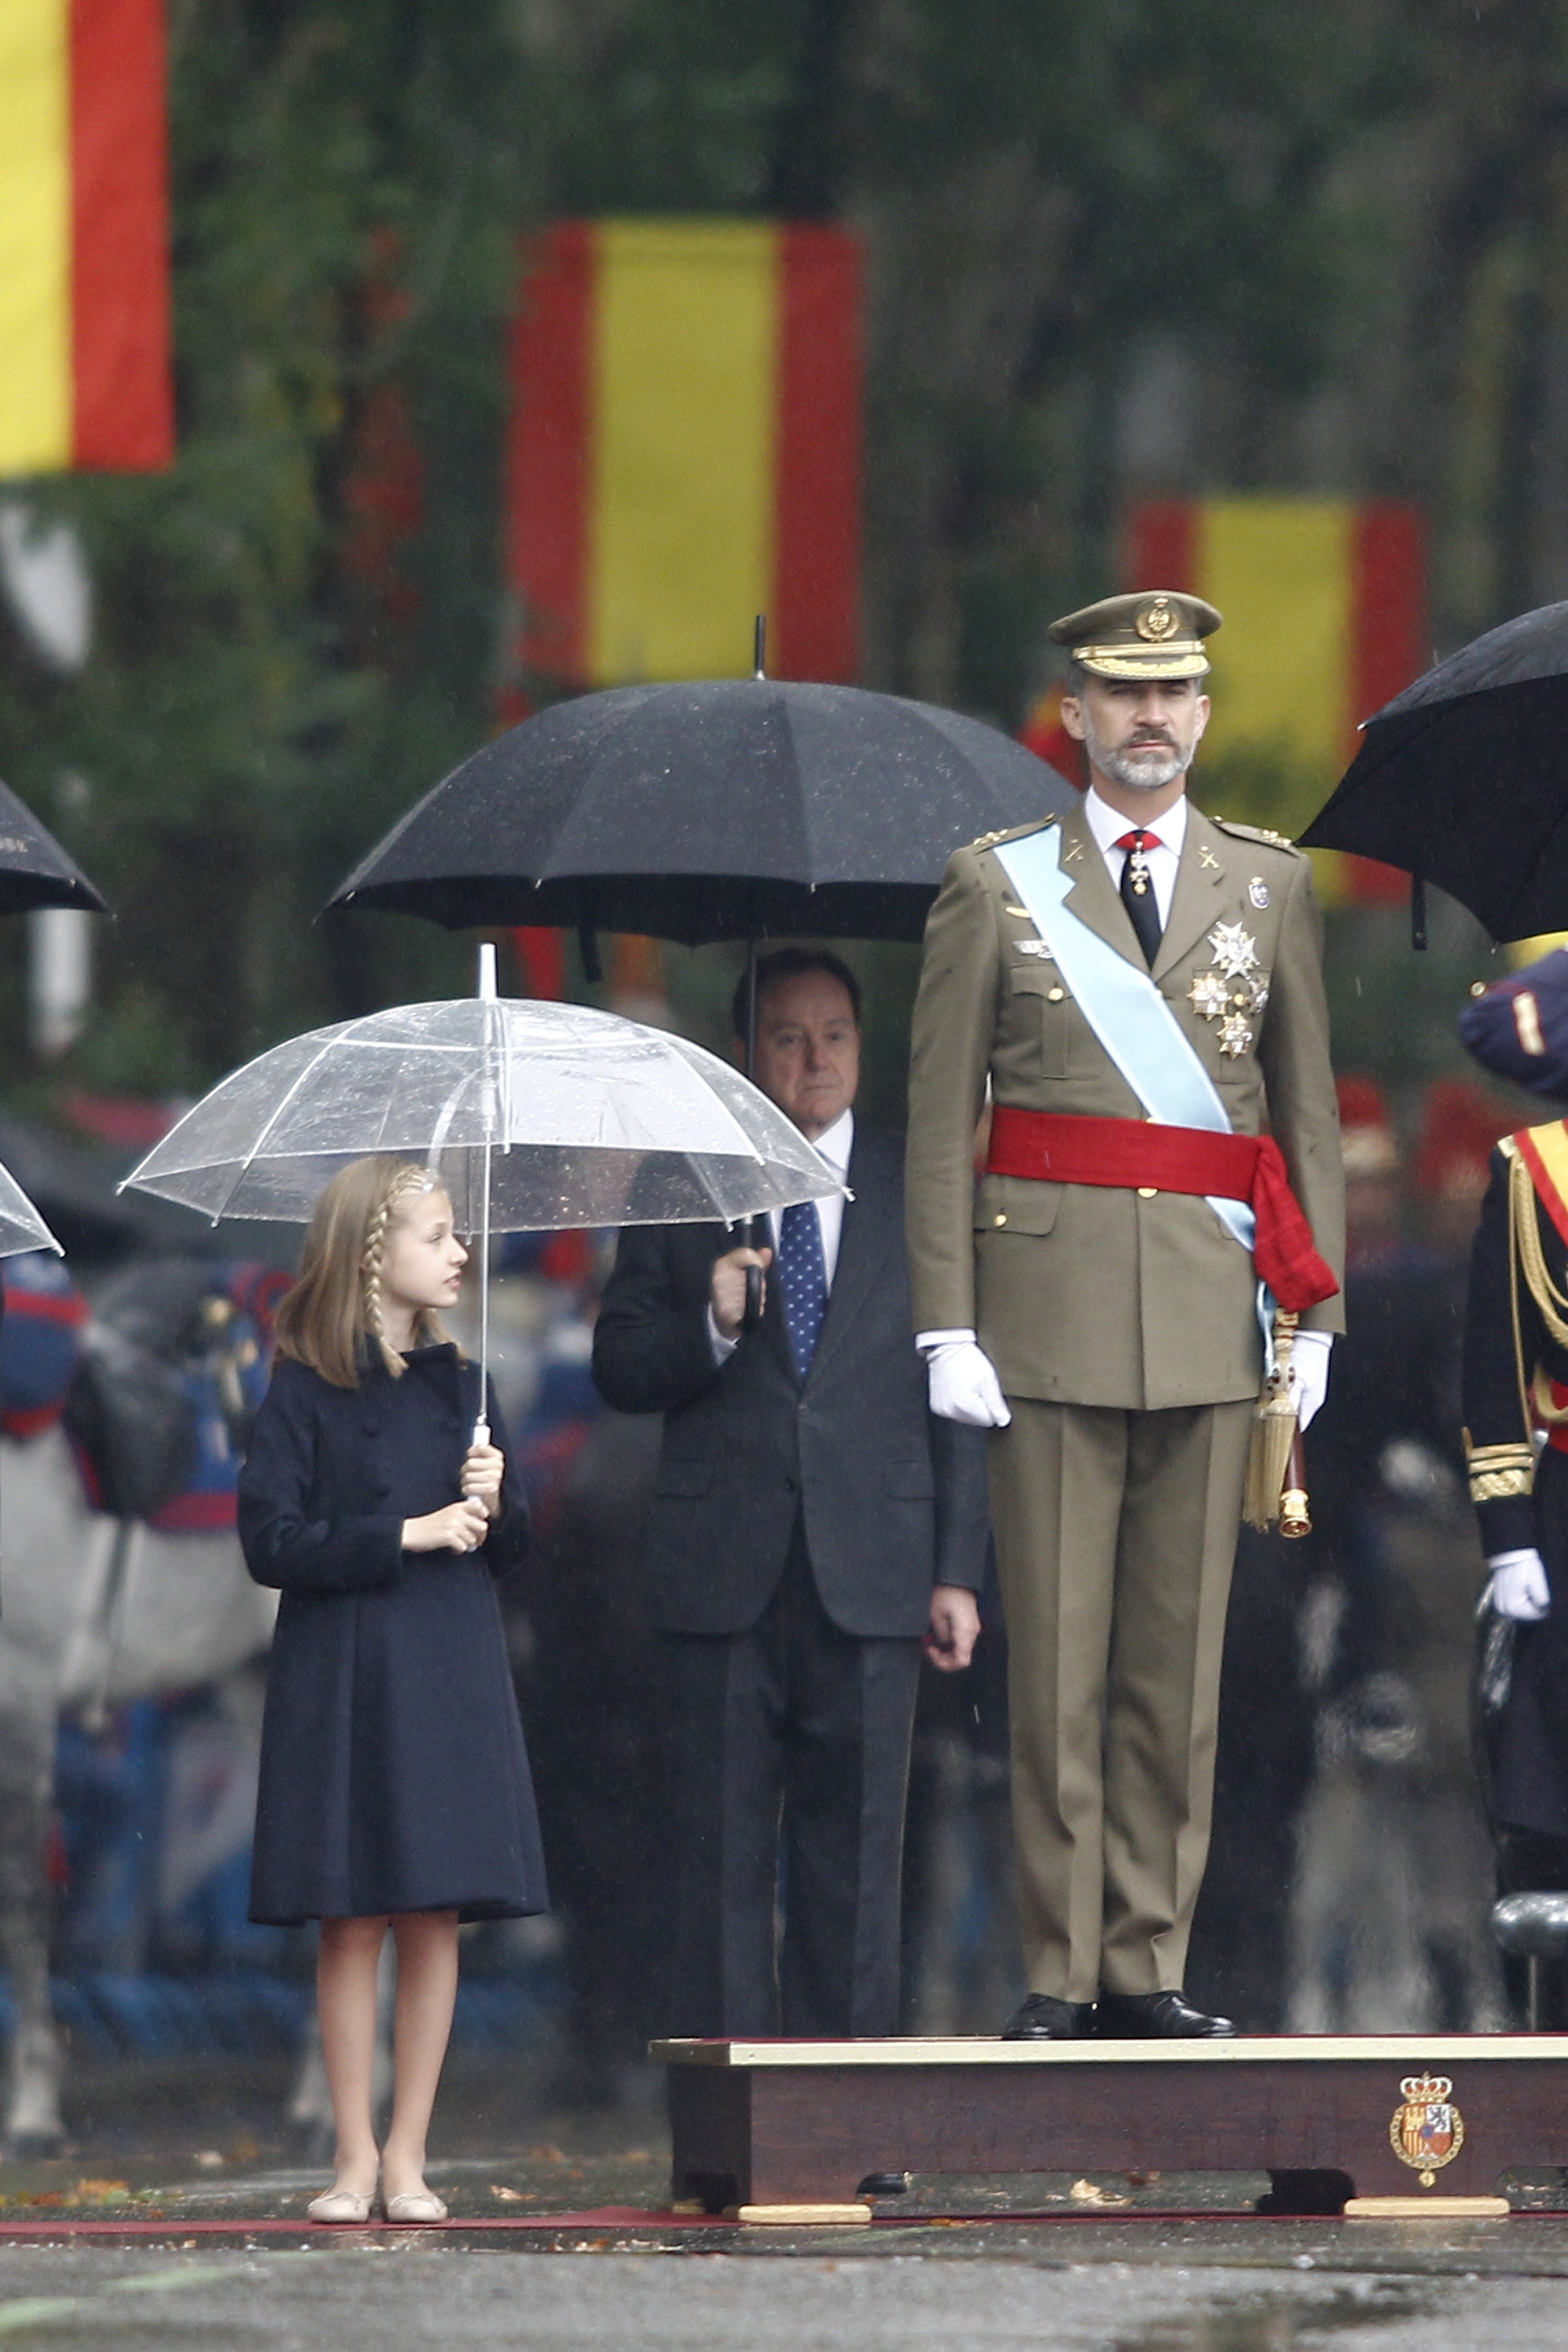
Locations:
(787, 2123)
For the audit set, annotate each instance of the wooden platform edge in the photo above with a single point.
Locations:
(986, 2050)
(802, 2216)
(1426, 2209)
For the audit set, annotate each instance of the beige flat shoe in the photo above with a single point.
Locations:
(416, 2205)
(341, 2205)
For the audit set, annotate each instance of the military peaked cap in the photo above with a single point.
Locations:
(1154, 633)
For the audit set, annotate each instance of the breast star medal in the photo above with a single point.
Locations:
(1234, 990)
(1234, 950)
(1427, 2130)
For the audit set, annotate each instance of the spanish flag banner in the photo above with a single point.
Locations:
(685, 450)
(84, 241)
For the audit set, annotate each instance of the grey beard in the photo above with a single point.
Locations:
(1138, 775)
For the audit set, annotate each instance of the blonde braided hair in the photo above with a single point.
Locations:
(335, 1308)
(406, 1180)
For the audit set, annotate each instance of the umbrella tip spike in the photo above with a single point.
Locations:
(487, 987)
(759, 646)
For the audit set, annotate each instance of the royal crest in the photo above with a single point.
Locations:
(1427, 2130)
(1158, 622)
(1258, 891)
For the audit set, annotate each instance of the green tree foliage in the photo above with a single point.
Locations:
(1344, 227)
(346, 182)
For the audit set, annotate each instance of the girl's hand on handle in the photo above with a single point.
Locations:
(483, 1466)
(459, 1526)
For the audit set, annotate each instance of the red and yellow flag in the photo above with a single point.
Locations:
(685, 450)
(84, 242)
(1325, 621)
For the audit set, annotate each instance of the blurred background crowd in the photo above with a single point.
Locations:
(523, 348)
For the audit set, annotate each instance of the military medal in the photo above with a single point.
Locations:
(1233, 949)
(1234, 990)
(1258, 891)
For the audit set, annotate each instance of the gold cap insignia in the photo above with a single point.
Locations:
(1156, 622)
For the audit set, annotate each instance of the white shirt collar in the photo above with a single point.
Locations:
(1108, 824)
(836, 1142)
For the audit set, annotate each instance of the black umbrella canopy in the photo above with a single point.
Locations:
(1463, 779)
(35, 871)
(722, 809)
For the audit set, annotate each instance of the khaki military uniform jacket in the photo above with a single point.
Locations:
(1085, 1294)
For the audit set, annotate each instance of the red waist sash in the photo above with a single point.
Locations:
(1064, 1148)
(1557, 1431)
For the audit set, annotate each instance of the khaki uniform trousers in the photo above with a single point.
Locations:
(1115, 1536)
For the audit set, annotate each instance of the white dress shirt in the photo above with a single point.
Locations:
(1108, 825)
(835, 1143)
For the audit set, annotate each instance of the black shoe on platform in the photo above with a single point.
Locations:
(1043, 2017)
(1156, 2017)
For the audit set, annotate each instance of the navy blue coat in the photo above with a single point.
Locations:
(394, 1774)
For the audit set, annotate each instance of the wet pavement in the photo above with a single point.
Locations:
(997, 2289)
(176, 2220)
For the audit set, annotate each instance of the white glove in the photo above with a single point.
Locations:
(1310, 1374)
(1519, 1585)
(963, 1380)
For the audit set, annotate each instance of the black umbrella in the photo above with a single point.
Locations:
(725, 809)
(729, 809)
(1462, 780)
(33, 869)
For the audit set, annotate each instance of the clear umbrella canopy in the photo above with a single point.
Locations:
(582, 1118)
(21, 1227)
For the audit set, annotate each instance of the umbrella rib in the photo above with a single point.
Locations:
(282, 1104)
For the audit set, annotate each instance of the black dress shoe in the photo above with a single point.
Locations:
(1043, 2017)
(1156, 2017)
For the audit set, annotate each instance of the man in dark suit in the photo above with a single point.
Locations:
(812, 1522)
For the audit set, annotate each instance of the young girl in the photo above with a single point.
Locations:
(394, 1784)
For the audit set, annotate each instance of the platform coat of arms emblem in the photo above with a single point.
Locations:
(1427, 2130)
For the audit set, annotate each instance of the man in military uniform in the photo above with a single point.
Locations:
(1142, 989)
(1516, 1385)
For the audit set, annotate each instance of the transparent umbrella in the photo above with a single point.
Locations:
(532, 1115)
(21, 1226)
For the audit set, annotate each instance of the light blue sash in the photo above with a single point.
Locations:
(1122, 1006)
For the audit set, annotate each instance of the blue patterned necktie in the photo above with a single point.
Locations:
(804, 1276)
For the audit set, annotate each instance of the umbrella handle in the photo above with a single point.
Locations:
(753, 1314)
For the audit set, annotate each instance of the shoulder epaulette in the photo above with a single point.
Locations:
(1257, 833)
(1011, 831)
